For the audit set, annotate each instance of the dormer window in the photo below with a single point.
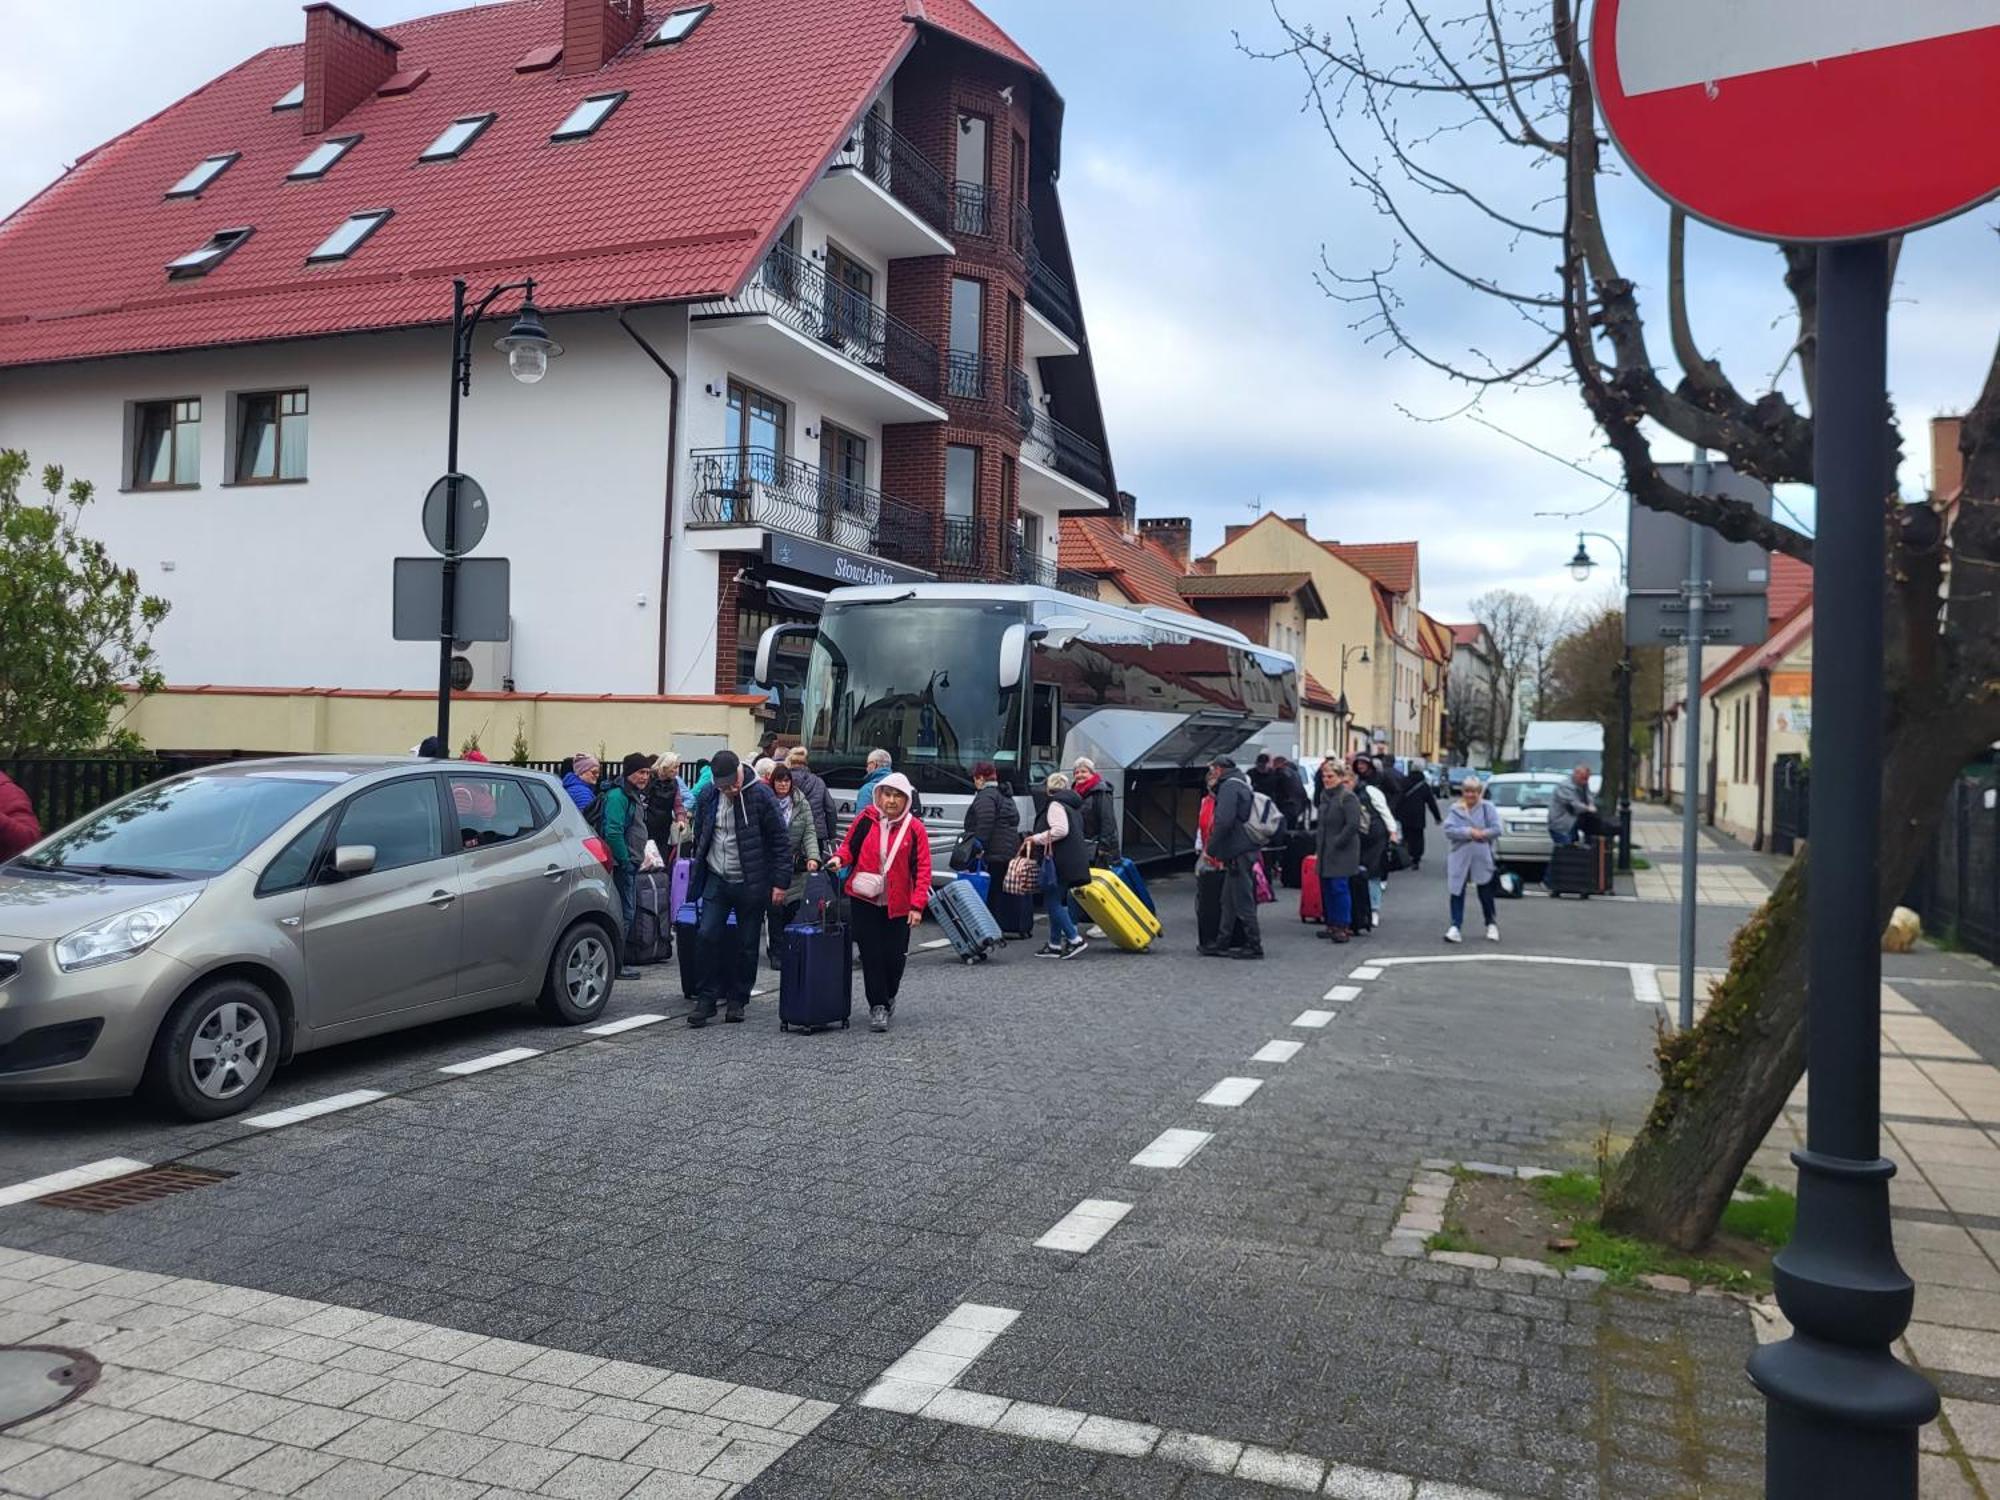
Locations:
(319, 161)
(205, 258)
(458, 136)
(205, 171)
(587, 116)
(292, 98)
(678, 24)
(348, 238)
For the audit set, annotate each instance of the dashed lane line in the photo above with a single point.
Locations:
(1277, 1052)
(628, 1023)
(327, 1106)
(1344, 992)
(1231, 1092)
(74, 1177)
(1369, 971)
(1312, 1020)
(936, 943)
(490, 1060)
(937, 1359)
(1173, 1148)
(1083, 1226)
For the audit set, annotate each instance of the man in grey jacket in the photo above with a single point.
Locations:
(1572, 816)
(1232, 850)
(818, 798)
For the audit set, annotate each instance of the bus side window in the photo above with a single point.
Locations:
(1045, 723)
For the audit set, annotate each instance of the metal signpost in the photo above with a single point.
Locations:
(1817, 121)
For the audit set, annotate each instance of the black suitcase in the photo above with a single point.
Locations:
(690, 950)
(1580, 869)
(1292, 865)
(1014, 913)
(1208, 885)
(816, 981)
(651, 940)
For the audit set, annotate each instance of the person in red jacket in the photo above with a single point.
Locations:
(18, 825)
(887, 857)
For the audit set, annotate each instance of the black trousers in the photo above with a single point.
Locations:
(1413, 841)
(1357, 898)
(884, 942)
(1239, 905)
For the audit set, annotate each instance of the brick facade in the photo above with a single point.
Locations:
(595, 31)
(345, 62)
(728, 618)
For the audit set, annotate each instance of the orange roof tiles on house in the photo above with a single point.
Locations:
(1790, 586)
(1253, 586)
(726, 131)
(1466, 635)
(1317, 696)
(1791, 600)
(1141, 570)
(1391, 564)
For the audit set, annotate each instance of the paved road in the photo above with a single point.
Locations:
(794, 1215)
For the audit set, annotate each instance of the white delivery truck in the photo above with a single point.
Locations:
(1561, 745)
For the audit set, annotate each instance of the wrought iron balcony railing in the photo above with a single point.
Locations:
(885, 156)
(959, 554)
(966, 376)
(972, 209)
(1051, 296)
(1029, 568)
(1021, 229)
(1021, 397)
(798, 293)
(1070, 454)
(758, 487)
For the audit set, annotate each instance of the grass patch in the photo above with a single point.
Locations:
(1640, 862)
(1576, 1192)
(1451, 1237)
(1767, 1218)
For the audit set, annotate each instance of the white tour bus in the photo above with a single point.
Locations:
(945, 676)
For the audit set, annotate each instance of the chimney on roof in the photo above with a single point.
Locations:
(1174, 534)
(595, 31)
(346, 61)
(1126, 512)
(1947, 461)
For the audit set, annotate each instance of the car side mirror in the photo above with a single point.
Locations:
(353, 859)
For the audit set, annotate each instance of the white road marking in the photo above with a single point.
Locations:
(491, 1060)
(1645, 983)
(629, 1023)
(936, 1361)
(1367, 971)
(1345, 992)
(330, 1105)
(1312, 1019)
(936, 943)
(1277, 1052)
(62, 1182)
(1172, 1148)
(1669, 46)
(1084, 1225)
(1231, 1092)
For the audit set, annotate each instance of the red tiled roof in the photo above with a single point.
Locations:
(1791, 583)
(1391, 564)
(1245, 585)
(1141, 570)
(1791, 621)
(1316, 694)
(1466, 635)
(674, 198)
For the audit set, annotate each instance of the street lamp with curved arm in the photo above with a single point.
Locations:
(1580, 567)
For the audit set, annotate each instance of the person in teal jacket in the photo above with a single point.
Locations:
(625, 833)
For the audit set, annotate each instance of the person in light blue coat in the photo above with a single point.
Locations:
(1472, 829)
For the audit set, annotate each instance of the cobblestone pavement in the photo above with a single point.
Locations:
(853, 1220)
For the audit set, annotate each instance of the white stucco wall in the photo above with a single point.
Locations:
(289, 585)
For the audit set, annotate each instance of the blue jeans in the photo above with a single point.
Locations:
(1339, 909)
(729, 957)
(1062, 926)
(1486, 892)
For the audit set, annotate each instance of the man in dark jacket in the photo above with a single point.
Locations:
(1100, 813)
(625, 836)
(818, 798)
(1232, 850)
(1289, 792)
(1416, 800)
(18, 825)
(742, 863)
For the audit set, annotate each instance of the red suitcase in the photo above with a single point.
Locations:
(1312, 898)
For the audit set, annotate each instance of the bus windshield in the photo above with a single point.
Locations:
(918, 678)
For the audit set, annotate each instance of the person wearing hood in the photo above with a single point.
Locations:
(1100, 813)
(580, 781)
(742, 864)
(886, 858)
(19, 827)
(1059, 834)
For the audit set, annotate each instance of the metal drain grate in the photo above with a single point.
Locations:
(134, 1188)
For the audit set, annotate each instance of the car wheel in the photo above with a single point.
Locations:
(581, 973)
(215, 1052)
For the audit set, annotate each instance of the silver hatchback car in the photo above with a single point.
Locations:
(188, 938)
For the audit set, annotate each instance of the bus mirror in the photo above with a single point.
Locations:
(1060, 630)
(1013, 654)
(767, 645)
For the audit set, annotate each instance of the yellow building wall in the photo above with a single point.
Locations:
(1789, 733)
(362, 723)
(1275, 547)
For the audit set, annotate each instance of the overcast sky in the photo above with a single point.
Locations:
(1198, 197)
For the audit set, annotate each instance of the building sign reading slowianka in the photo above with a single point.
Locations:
(836, 563)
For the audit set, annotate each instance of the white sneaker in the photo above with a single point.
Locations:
(1453, 935)
(1492, 933)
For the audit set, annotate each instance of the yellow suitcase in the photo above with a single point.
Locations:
(1109, 902)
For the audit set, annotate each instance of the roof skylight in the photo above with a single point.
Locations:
(347, 238)
(205, 171)
(203, 259)
(678, 24)
(457, 136)
(587, 116)
(319, 161)
(293, 98)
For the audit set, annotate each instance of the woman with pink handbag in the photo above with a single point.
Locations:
(887, 860)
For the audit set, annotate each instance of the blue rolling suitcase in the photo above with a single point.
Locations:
(685, 917)
(1128, 872)
(966, 920)
(816, 981)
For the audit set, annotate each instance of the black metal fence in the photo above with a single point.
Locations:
(64, 788)
(759, 487)
(1069, 453)
(1052, 296)
(1957, 889)
(880, 152)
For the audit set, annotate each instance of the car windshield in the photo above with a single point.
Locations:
(1520, 793)
(185, 829)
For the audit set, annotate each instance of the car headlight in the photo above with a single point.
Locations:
(127, 933)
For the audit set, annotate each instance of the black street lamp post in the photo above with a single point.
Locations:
(1341, 712)
(528, 348)
(1580, 568)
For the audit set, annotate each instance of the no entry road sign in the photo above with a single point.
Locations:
(1805, 119)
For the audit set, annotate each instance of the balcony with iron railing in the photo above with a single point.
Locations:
(841, 323)
(1041, 572)
(756, 487)
(886, 157)
(1067, 453)
(1020, 397)
(1021, 230)
(972, 206)
(1052, 296)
